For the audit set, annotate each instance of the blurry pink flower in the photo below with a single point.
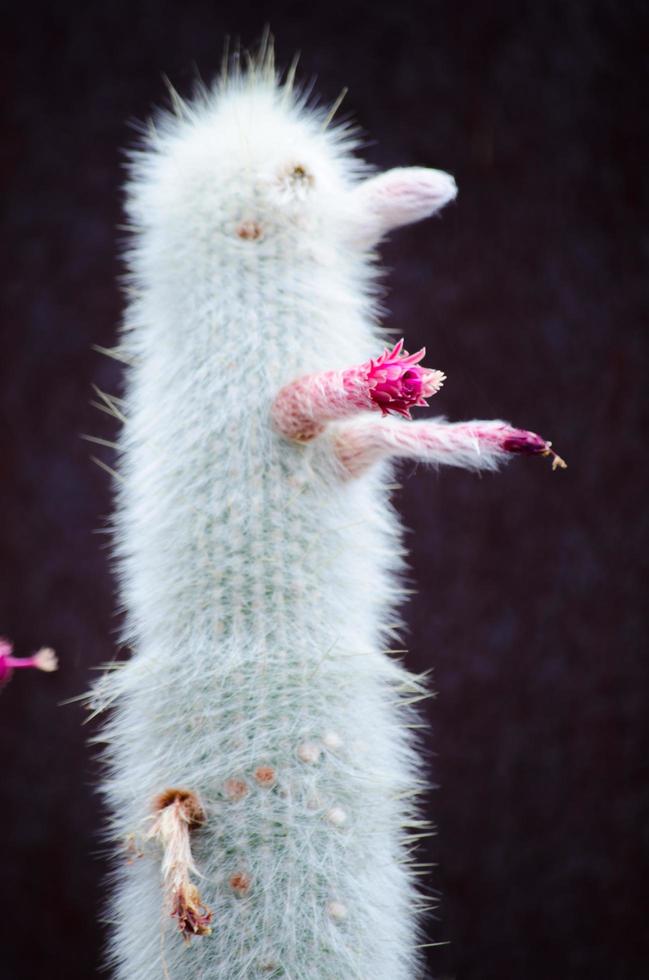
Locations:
(531, 444)
(43, 659)
(397, 382)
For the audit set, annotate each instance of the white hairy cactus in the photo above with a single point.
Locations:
(262, 768)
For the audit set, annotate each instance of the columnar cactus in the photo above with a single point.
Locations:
(263, 776)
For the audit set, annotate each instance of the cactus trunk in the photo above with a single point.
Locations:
(260, 590)
(262, 771)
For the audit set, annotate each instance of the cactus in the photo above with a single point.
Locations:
(263, 774)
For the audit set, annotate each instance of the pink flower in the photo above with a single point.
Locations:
(529, 443)
(522, 441)
(397, 382)
(43, 659)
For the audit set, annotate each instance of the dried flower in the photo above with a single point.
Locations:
(179, 812)
(193, 917)
(397, 382)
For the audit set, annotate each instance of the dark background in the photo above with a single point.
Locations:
(529, 293)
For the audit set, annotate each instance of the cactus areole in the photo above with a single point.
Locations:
(262, 774)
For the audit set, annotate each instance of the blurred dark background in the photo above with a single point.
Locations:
(529, 292)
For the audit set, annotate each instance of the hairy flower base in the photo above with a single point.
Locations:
(396, 381)
(177, 813)
(473, 445)
(393, 382)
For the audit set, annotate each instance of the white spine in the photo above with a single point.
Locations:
(259, 585)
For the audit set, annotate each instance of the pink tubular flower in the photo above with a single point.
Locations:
(529, 443)
(43, 659)
(397, 382)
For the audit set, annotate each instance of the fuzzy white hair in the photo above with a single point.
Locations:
(260, 587)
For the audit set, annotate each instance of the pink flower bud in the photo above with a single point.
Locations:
(522, 441)
(531, 444)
